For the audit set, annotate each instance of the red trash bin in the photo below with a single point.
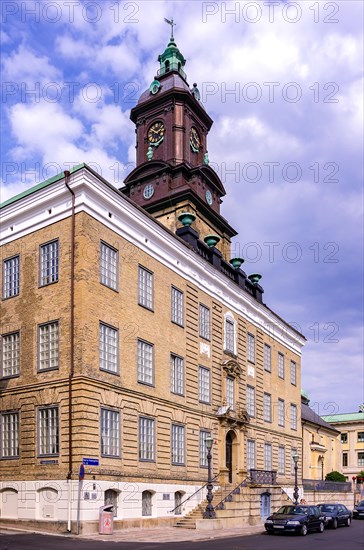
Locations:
(106, 519)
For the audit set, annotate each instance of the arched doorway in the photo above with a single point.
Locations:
(230, 436)
(265, 505)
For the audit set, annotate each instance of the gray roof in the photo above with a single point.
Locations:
(309, 415)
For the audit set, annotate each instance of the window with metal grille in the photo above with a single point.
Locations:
(146, 438)
(11, 354)
(146, 503)
(204, 434)
(281, 459)
(230, 394)
(9, 428)
(250, 400)
(178, 444)
(49, 346)
(280, 365)
(177, 374)
(49, 263)
(281, 411)
(110, 432)
(204, 322)
(108, 266)
(48, 431)
(267, 456)
(204, 384)
(145, 362)
(293, 373)
(145, 288)
(251, 348)
(267, 405)
(229, 335)
(250, 454)
(177, 306)
(108, 348)
(267, 358)
(293, 417)
(11, 277)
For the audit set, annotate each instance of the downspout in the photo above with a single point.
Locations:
(71, 372)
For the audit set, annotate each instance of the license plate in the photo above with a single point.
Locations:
(361, 513)
(279, 527)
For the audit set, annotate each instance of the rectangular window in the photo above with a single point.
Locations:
(9, 428)
(108, 266)
(110, 432)
(145, 288)
(178, 444)
(267, 358)
(11, 277)
(49, 346)
(251, 348)
(48, 263)
(344, 438)
(11, 354)
(145, 362)
(250, 400)
(360, 460)
(48, 431)
(345, 459)
(250, 454)
(293, 373)
(204, 384)
(204, 322)
(360, 437)
(280, 365)
(177, 374)
(281, 459)
(108, 348)
(267, 404)
(281, 412)
(293, 417)
(146, 438)
(267, 456)
(204, 434)
(229, 335)
(293, 453)
(230, 397)
(177, 306)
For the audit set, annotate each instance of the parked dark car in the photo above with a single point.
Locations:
(295, 519)
(336, 515)
(358, 512)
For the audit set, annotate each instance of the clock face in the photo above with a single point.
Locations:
(156, 133)
(148, 191)
(208, 197)
(194, 140)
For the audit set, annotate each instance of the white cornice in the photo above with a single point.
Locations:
(98, 199)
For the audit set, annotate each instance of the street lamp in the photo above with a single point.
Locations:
(209, 512)
(295, 492)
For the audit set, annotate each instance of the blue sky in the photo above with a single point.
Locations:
(283, 83)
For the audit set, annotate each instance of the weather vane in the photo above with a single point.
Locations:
(172, 23)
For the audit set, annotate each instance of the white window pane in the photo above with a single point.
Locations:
(110, 432)
(49, 263)
(48, 346)
(145, 362)
(280, 365)
(267, 358)
(146, 439)
(203, 449)
(48, 431)
(251, 348)
(11, 277)
(108, 266)
(178, 444)
(230, 398)
(177, 306)
(250, 395)
(177, 374)
(145, 288)
(108, 348)
(204, 384)
(204, 322)
(11, 354)
(9, 435)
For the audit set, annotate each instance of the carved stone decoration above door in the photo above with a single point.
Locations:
(231, 368)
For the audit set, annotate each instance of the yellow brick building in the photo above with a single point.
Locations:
(127, 340)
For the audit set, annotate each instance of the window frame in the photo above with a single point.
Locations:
(344, 459)
(110, 437)
(143, 301)
(40, 326)
(294, 451)
(16, 374)
(230, 335)
(293, 369)
(360, 459)
(293, 417)
(41, 277)
(117, 361)
(104, 244)
(178, 435)
(58, 419)
(344, 438)
(13, 438)
(231, 381)
(174, 308)
(281, 413)
(175, 377)
(267, 407)
(139, 366)
(268, 457)
(204, 434)
(267, 364)
(204, 328)
(250, 400)
(250, 347)
(12, 294)
(152, 436)
(281, 365)
(201, 369)
(281, 459)
(251, 446)
(360, 437)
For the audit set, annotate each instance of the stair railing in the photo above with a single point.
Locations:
(195, 493)
(229, 497)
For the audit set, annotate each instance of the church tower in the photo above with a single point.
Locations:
(173, 173)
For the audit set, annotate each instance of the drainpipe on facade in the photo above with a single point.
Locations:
(71, 372)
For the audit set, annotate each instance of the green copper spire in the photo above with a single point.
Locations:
(171, 59)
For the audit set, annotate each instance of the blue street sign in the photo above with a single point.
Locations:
(81, 474)
(90, 461)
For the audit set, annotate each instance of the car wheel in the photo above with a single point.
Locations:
(304, 530)
(321, 527)
(334, 524)
(348, 522)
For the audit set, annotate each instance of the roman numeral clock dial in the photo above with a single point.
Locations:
(156, 133)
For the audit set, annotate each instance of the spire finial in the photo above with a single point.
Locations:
(172, 23)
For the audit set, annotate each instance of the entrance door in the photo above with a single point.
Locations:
(229, 456)
(264, 506)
